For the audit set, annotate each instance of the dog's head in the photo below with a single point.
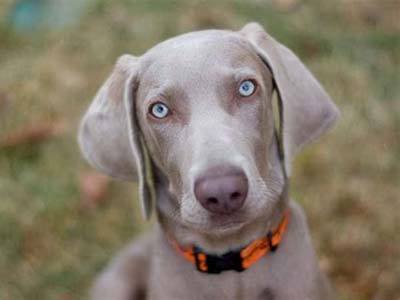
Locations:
(193, 118)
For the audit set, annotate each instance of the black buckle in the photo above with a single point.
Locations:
(231, 261)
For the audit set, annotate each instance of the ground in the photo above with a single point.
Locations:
(53, 241)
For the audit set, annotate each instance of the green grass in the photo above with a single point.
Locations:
(51, 248)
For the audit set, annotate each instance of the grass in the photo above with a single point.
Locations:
(51, 248)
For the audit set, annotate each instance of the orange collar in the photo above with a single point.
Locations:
(238, 260)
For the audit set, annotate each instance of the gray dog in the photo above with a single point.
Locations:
(194, 120)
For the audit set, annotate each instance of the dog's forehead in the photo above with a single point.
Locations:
(195, 45)
(203, 53)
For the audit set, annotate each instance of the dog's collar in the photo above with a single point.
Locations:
(238, 260)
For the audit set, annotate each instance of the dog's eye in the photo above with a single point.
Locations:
(247, 88)
(159, 110)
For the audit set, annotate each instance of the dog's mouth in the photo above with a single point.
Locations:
(228, 228)
(219, 225)
(225, 221)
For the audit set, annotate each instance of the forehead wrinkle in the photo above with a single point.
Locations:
(246, 73)
(158, 91)
(169, 91)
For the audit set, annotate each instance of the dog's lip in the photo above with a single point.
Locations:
(225, 224)
(225, 220)
(229, 227)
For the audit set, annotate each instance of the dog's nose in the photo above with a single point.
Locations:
(221, 189)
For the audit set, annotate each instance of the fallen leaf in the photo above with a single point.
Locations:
(201, 16)
(33, 133)
(93, 188)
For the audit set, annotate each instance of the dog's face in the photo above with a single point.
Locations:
(192, 120)
(204, 107)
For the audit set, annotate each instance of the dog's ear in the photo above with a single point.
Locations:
(306, 109)
(109, 135)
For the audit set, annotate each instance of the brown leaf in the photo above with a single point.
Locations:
(203, 17)
(33, 133)
(93, 188)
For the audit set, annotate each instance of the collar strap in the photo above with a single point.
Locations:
(238, 260)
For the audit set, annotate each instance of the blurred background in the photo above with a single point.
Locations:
(60, 221)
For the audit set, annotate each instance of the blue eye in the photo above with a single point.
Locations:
(247, 88)
(159, 110)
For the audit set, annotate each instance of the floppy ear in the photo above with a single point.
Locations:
(109, 135)
(306, 109)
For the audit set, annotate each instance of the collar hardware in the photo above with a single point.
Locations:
(215, 264)
(237, 260)
(271, 244)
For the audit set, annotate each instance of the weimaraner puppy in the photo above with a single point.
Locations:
(194, 120)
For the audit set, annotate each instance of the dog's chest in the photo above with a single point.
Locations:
(187, 283)
(215, 288)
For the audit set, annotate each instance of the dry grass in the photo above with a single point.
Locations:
(51, 246)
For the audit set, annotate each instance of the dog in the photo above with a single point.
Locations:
(208, 123)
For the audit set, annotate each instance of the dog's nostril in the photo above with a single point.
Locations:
(212, 200)
(235, 195)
